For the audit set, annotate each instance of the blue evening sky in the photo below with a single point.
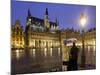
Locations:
(67, 14)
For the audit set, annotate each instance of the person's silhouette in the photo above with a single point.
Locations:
(73, 56)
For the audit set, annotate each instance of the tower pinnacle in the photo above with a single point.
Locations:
(29, 13)
(46, 13)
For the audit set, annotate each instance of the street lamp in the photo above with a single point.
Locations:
(83, 20)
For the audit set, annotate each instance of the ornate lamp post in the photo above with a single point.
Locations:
(83, 20)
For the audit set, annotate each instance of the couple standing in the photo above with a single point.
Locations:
(73, 57)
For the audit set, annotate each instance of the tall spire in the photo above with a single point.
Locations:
(46, 13)
(56, 20)
(29, 13)
(57, 23)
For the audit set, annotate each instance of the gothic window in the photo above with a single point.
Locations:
(21, 33)
(20, 38)
(54, 27)
(17, 32)
(17, 28)
(17, 39)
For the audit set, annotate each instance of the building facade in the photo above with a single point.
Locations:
(17, 35)
(42, 38)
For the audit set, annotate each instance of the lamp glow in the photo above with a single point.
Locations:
(83, 20)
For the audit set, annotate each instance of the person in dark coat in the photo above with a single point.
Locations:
(73, 56)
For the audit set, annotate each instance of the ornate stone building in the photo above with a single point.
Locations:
(41, 32)
(43, 39)
(17, 35)
(38, 24)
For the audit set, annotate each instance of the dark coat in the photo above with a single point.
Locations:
(73, 56)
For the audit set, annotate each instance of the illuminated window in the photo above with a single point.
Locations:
(29, 20)
(50, 51)
(33, 42)
(59, 51)
(45, 51)
(44, 43)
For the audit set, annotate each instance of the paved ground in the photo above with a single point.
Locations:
(40, 69)
(87, 67)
